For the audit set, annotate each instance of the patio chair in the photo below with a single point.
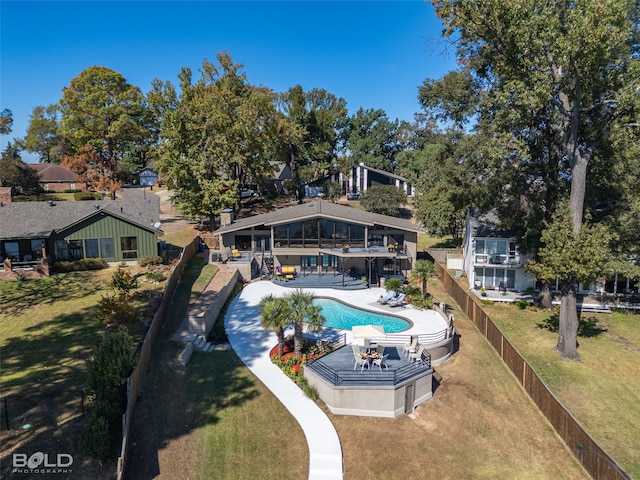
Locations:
(356, 348)
(360, 360)
(417, 356)
(388, 297)
(379, 349)
(412, 347)
(381, 362)
(398, 301)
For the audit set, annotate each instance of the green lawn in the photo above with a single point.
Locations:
(603, 390)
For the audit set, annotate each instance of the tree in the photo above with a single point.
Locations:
(276, 315)
(17, 174)
(384, 199)
(422, 271)
(316, 120)
(219, 134)
(303, 311)
(102, 116)
(544, 79)
(6, 121)
(373, 139)
(43, 135)
(572, 258)
(332, 190)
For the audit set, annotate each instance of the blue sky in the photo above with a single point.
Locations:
(374, 54)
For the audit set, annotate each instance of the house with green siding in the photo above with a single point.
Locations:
(114, 231)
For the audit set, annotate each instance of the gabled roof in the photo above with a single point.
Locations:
(383, 172)
(487, 225)
(41, 219)
(50, 172)
(320, 209)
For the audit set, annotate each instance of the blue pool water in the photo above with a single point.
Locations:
(339, 315)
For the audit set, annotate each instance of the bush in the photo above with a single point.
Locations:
(116, 311)
(64, 266)
(95, 436)
(123, 282)
(154, 276)
(150, 260)
(521, 304)
(82, 196)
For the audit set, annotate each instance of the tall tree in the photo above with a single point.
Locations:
(572, 258)
(318, 117)
(547, 75)
(43, 137)
(220, 133)
(374, 140)
(15, 173)
(102, 116)
(383, 199)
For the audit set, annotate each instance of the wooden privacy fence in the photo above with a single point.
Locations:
(134, 382)
(598, 463)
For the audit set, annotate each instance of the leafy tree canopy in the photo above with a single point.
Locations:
(385, 199)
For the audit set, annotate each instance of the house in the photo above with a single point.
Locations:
(147, 177)
(319, 238)
(362, 178)
(491, 257)
(115, 231)
(56, 178)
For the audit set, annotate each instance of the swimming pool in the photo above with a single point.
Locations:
(339, 315)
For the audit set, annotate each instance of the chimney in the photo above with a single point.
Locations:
(226, 217)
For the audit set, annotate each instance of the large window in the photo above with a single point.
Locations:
(295, 234)
(36, 249)
(106, 248)
(281, 236)
(326, 233)
(129, 247)
(310, 229)
(91, 248)
(12, 251)
(76, 252)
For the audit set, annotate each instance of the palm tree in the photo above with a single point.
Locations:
(394, 284)
(422, 271)
(276, 315)
(303, 311)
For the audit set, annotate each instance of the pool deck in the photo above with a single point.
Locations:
(253, 344)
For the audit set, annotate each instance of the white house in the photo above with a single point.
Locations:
(362, 178)
(491, 256)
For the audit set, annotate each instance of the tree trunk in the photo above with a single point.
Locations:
(568, 325)
(280, 334)
(544, 297)
(297, 340)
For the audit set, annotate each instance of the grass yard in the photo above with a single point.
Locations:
(602, 391)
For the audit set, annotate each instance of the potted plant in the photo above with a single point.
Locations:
(345, 248)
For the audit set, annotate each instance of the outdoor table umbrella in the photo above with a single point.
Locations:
(368, 332)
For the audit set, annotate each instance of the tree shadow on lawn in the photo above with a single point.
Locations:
(18, 297)
(587, 328)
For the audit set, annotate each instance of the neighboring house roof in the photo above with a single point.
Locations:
(52, 173)
(320, 208)
(382, 172)
(487, 225)
(41, 219)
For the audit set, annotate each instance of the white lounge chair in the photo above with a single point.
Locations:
(417, 356)
(388, 297)
(412, 347)
(398, 301)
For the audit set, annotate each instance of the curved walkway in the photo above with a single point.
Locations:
(253, 344)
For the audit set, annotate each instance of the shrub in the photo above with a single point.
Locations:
(116, 311)
(150, 260)
(123, 282)
(95, 436)
(154, 276)
(64, 266)
(80, 196)
(521, 304)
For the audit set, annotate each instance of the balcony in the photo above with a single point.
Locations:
(504, 260)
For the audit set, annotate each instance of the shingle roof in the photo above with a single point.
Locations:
(50, 172)
(40, 219)
(487, 225)
(320, 208)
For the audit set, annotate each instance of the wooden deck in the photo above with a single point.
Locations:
(337, 368)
